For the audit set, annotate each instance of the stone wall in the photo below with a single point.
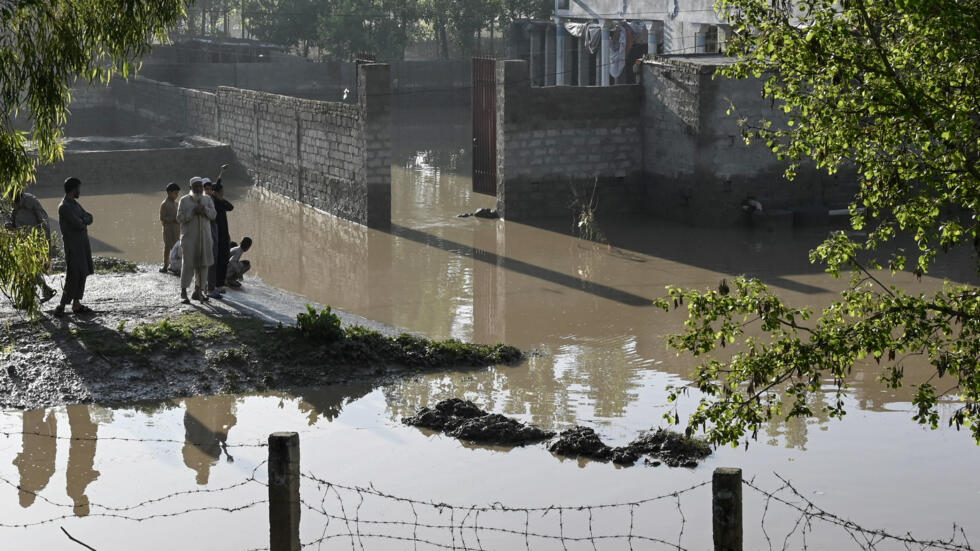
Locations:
(558, 148)
(696, 163)
(325, 154)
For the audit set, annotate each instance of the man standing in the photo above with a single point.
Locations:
(223, 207)
(168, 218)
(28, 213)
(195, 211)
(74, 223)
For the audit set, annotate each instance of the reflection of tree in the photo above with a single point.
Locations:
(35, 462)
(207, 421)
(81, 457)
(329, 401)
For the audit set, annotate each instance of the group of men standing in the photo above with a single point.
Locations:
(197, 243)
(203, 253)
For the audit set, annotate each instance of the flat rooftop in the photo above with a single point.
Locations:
(694, 59)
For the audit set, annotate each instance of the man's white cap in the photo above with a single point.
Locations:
(206, 180)
(195, 179)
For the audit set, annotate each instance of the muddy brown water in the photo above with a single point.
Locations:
(600, 361)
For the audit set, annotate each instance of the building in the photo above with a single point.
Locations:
(597, 42)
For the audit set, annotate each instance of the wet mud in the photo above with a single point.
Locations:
(141, 343)
(662, 446)
(464, 420)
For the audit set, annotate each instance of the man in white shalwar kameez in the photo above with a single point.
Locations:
(195, 211)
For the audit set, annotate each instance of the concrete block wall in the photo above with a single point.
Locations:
(558, 145)
(332, 156)
(696, 163)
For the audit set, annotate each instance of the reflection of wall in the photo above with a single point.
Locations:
(301, 249)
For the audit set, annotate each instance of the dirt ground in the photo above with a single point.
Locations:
(124, 352)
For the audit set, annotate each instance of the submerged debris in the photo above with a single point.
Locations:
(480, 213)
(673, 449)
(464, 420)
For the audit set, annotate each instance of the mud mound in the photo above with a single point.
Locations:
(464, 420)
(671, 448)
(674, 449)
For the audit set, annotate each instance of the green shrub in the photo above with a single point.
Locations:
(322, 326)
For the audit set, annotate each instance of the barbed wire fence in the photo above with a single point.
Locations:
(808, 516)
(367, 518)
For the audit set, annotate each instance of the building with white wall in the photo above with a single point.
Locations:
(592, 42)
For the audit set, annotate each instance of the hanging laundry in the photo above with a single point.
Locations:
(593, 34)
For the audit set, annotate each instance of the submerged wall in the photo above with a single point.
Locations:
(558, 148)
(696, 164)
(325, 154)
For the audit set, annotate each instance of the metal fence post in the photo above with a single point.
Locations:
(284, 491)
(726, 505)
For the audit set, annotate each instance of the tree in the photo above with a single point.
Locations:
(288, 23)
(44, 47)
(890, 88)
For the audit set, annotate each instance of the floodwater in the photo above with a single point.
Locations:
(599, 360)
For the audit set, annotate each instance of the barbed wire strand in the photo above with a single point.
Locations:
(115, 511)
(871, 538)
(128, 439)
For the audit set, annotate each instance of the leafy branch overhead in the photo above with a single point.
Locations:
(890, 90)
(44, 48)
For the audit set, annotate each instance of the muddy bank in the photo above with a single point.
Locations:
(142, 344)
(462, 419)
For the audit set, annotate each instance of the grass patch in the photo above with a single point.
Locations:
(172, 335)
(356, 345)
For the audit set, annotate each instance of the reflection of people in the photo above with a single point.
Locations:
(74, 222)
(28, 213)
(81, 457)
(171, 227)
(207, 421)
(35, 462)
(236, 266)
(195, 211)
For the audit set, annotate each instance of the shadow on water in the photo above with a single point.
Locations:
(518, 266)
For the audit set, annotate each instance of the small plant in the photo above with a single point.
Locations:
(322, 326)
(585, 223)
(121, 326)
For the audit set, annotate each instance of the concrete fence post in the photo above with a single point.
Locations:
(284, 491)
(726, 505)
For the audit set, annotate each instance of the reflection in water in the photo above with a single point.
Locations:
(207, 420)
(36, 461)
(327, 402)
(81, 457)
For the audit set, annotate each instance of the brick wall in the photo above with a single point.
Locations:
(696, 164)
(332, 156)
(556, 146)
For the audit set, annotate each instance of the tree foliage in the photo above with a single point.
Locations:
(384, 27)
(44, 47)
(890, 88)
